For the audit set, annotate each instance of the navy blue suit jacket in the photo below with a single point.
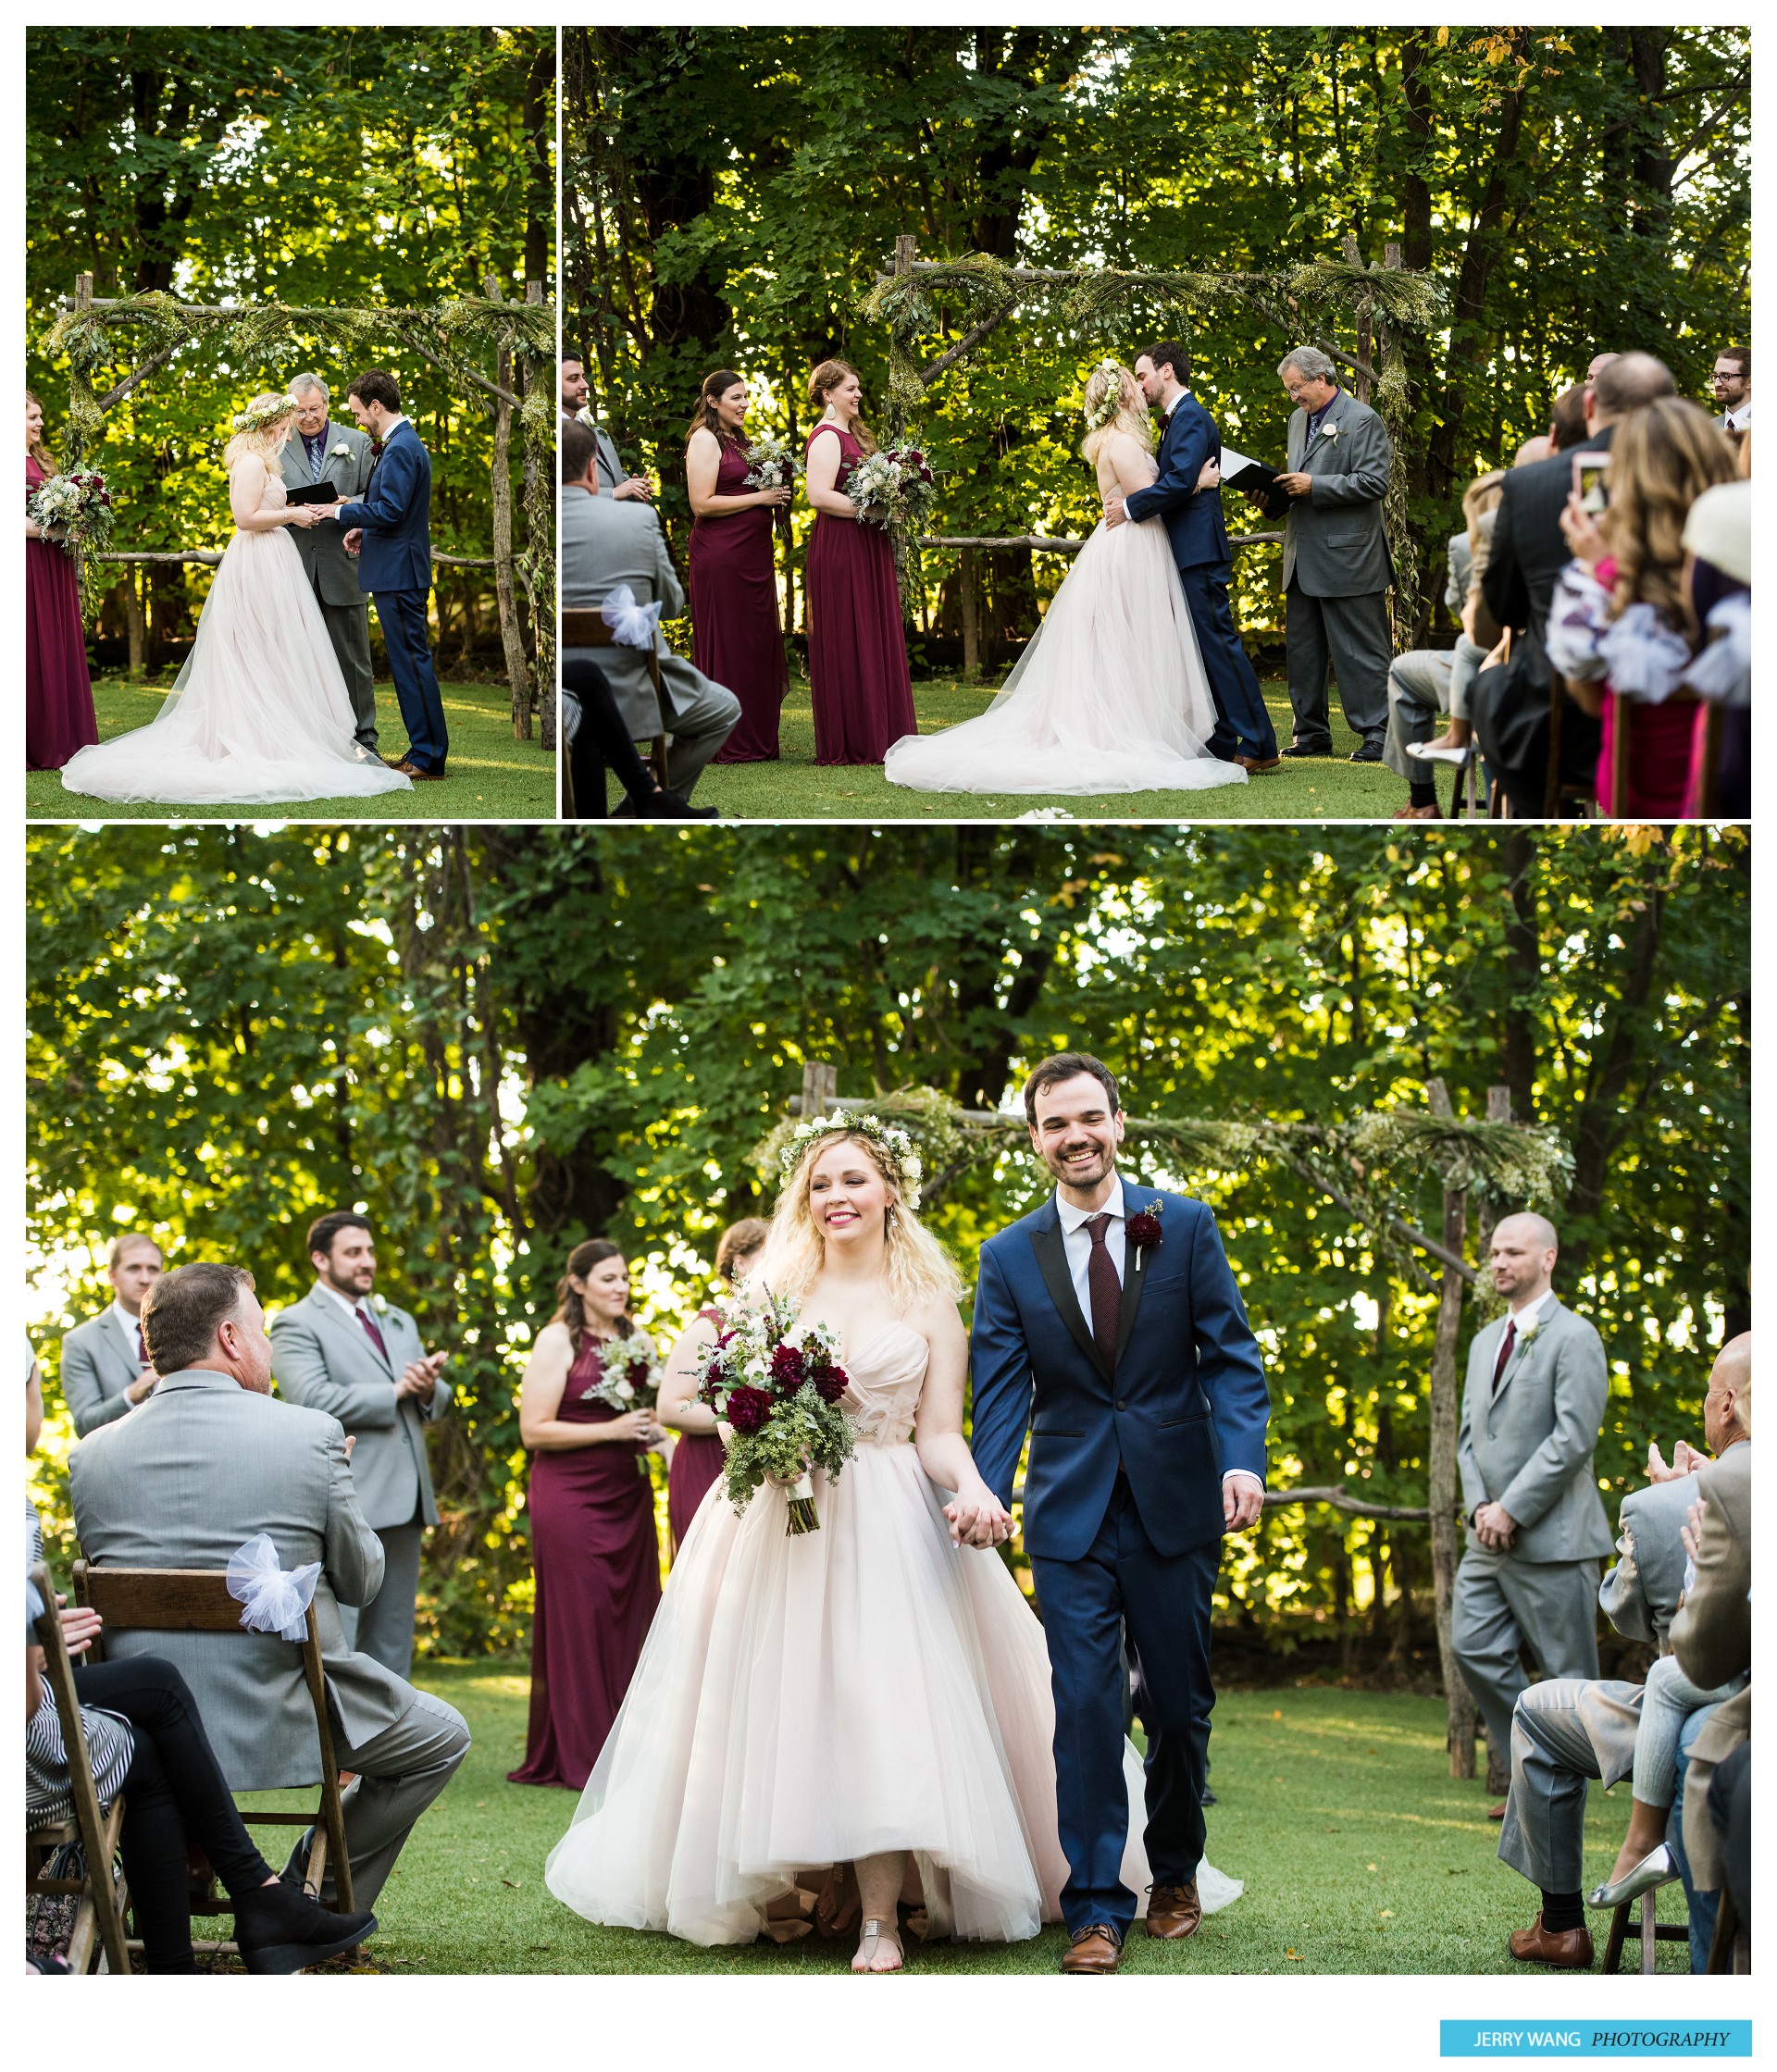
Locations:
(1184, 1400)
(1194, 522)
(395, 513)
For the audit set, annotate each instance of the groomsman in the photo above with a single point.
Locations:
(105, 1368)
(612, 478)
(338, 455)
(1535, 1398)
(364, 1364)
(1732, 385)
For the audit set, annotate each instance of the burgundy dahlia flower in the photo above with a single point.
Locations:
(788, 1367)
(830, 1383)
(747, 1410)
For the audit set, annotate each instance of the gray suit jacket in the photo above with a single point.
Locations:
(1712, 1638)
(608, 469)
(98, 1364)
(605, 543)
(1530, 1447)
(1640, 1595)
(325, 560)
(1334, 541)
(325, 1362)
(181, 1484)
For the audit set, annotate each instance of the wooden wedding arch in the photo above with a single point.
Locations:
(1504, 1166)
(520, 395)
(925, 298)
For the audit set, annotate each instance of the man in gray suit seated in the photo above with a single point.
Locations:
(1567, 1731)
(206, 1464)
(604, 544)
(365, 1364)
(322, 451)
(612, 478)
(1336, 565)
(1535, 1398)
(106, 1369)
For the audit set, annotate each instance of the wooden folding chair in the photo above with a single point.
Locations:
(104, 1896)
(1652, 1932)
(197, 1601)
(587, 629)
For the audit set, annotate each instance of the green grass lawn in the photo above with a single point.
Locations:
(1360, 1854)
(491, 775)
(795, 789)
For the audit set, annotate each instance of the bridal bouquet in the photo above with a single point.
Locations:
(771, 464)
(893, 487)
(775, 1382)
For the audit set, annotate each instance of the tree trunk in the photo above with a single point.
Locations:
(136, 623)
(1518, 856)
(511, 637)
(1444, 1480)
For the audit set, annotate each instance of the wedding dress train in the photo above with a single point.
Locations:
(1110, 694)
(808, 1700)
(259, 714)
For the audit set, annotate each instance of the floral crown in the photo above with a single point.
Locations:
(902, 1158)
(266, 414)
(1105, 410)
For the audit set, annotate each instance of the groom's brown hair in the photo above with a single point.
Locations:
(376, 387)
(1169, 352)
(1069, 1065)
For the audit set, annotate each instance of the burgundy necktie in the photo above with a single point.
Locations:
(1506, 1344)
(142, 1348)
(1105, 1289)
(371, 1332)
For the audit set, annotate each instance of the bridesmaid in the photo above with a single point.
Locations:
(697, 1458)
(58, 692)
(737, 640)
(593, 1538)
(857, 656)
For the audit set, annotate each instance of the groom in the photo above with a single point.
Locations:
(392, 525)
(1199, 535)
(1112, 1311)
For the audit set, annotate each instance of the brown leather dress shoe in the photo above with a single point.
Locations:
(1096, 1948)
(419, 775)
(1497, 1812)
(1566, 1949)
(1174, 1911)
(1260, 767)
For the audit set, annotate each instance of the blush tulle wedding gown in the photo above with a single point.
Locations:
(1110, 694)
(806, 1702)
(259, 714)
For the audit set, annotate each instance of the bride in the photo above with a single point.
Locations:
(1111, 693)
(869, 1692)
(260, 711)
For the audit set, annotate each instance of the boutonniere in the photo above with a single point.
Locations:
(379, 1303)
(1143, 1232)
(1527, 1337)
(339, 453)
(1329, 429)
(376, 446)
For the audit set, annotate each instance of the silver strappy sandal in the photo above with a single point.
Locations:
(873, 1933)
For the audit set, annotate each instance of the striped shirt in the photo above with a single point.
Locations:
(110, 1745)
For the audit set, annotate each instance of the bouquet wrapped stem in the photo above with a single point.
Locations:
(804, 1516)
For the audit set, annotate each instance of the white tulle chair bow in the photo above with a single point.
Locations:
(275, 1600)
(632, 624)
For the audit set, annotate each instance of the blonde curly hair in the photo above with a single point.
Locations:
(1114, 403)
(261, 439)
(1662, 457)
(919, 1269)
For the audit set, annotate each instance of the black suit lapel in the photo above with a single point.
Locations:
(1052, 1262)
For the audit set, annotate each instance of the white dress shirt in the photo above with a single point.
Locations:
(352, 1309)
(1523, 1316)
(132, 1325)
(1077, 1243)
(1737, 420)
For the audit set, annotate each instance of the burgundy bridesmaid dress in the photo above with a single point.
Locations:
(738, 640)
(857, 658)
(58, 692)
(597, 1562)
(697, 1462)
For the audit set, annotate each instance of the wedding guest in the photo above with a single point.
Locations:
(738, 638)
(1336, 562)
(1618, 628)
(857, 655)
(1733, 384)
(597, 735)
(1718, 597)
(611, 476)
(362, 1362)
(698, 1456)
(105, 1368)
(145, 1739)
(1566, 424)
(1567, 1730)
(58, 692)
(206, 1464)
(1535, 1397)
(606, 545)
(592, 1540)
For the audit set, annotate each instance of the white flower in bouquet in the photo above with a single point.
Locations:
(771, 464)
(893, 487)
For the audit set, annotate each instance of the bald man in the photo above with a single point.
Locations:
(1531, 1410)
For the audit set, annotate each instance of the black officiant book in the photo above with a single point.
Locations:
(311, 493)
(1249, 477)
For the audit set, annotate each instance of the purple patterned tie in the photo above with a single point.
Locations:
(371, 1332)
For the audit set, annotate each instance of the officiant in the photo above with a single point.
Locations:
(1337, 566)
(324, 453)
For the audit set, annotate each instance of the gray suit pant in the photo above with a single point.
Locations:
(1563, 1734)
(704, 717)
(1503, 1605)
(384, 1628)
(399, 1773)
(1351, 637)
(348, 626)
(1423, 684)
